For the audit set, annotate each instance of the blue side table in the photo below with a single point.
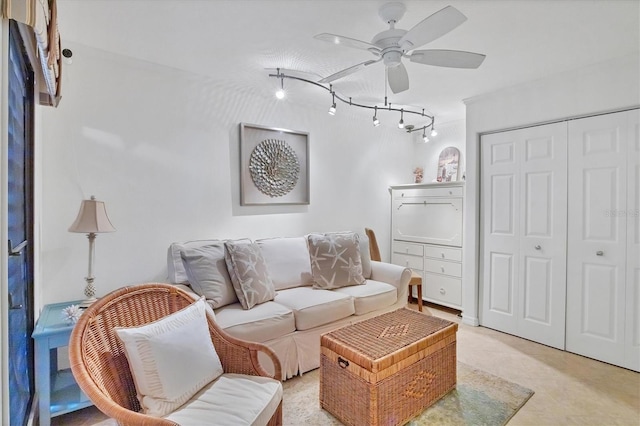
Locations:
(58, 392)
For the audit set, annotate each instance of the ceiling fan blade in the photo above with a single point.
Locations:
(432, 27)
(347, 71)
(398, 78)
(447, 58)
(349, 42)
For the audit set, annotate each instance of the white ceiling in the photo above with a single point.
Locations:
(236, 40)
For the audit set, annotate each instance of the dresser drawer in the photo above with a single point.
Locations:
(436, 191)
(408, 248)
(443, 267)
(413, 262)
(445, 253)
(442, 289)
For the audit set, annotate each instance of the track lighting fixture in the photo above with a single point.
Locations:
(434, 133)
(409, 128)
(332, 108)
(401, 122)
(425, 139)
(376, 122)
(280, 93)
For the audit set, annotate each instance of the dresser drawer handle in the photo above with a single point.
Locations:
(343, 362)
(442, 254)
(442, 291)
(442, 268)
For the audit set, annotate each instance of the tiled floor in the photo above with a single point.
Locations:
(569, 389)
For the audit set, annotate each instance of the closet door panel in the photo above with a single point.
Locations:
(523, 192)
(596, 261)
(500, 221)
(542, 242)
(632, 352)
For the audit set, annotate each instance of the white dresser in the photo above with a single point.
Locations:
(426, 236)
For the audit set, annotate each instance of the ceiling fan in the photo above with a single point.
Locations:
(392, 45)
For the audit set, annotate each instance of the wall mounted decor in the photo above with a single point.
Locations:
(448, 165)
(274, 166)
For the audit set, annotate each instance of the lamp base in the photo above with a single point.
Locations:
(87, 302)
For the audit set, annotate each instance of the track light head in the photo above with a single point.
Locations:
(376, 122)
(332, 109)
(434, 133)
(425, 139)
(401, 122)
(280, 93)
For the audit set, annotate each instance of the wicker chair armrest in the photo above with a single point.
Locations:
(241, 356)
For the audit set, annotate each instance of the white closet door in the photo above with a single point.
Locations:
(500, 224)
(632, 352)
(523, 192)
(596, 260)
(543, 234)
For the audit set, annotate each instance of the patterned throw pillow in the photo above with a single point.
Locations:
(248, 272)
(335, 260)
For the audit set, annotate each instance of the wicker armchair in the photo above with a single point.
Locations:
(99, 364)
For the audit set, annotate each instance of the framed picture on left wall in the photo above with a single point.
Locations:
(274, 166)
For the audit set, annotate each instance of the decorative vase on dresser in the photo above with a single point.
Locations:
(426, 236)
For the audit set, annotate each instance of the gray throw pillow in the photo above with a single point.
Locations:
(335, 260)
(248, 272)
(206, 270)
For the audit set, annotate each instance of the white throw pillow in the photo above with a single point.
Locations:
(171, 359)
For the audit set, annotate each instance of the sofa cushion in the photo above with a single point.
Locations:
(207, 272)
(232, 399)
(372, 296)
(314, 307)
(248, 273)
(263, 322)
(287, 260)
(175, 268)
(156, 354)
(335, 260)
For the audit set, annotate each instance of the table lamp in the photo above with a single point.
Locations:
(92, 219)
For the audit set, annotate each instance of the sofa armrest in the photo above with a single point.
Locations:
(395, 275)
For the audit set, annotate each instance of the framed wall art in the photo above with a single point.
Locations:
(274, 166)
(448, 165)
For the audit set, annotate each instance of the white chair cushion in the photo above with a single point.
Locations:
(288, 261)
(263, 322)
(372, 296)
(314, 307)
(232, 399)
(171, 359)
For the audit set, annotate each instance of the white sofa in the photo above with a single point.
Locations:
(291, 323)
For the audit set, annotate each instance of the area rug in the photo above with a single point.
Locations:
(480, 398)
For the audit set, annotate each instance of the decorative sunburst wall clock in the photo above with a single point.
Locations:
(274, 166)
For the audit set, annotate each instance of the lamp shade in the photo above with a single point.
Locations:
(92, 218)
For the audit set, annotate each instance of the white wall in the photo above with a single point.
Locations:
(161, 148)
(599, 88)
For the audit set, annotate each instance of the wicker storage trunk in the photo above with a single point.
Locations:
(387, 369)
